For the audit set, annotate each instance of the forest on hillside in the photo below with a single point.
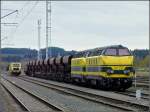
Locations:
(141, 56)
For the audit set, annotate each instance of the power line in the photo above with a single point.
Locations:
(22, 20)
(2, 39)
(9, 14)
(24, 5)
(8, 9)
(29, 12)
(12, 33)
(10, 23)
(8, 44)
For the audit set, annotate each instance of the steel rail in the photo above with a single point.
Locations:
(133, 94)
(16, 98)
(53, 106)
(81, 94)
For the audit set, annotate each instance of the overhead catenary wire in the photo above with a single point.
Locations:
(28, 13)
(24, 5)
(21, 9)
(23, 19)
(13, 31)
(8, 9)
(13, 24)
(9, 14)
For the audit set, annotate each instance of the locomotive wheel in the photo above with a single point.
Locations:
(106, 84)
(88, 83)
(61, 78)
(126, 84)
(117, 85)
(73, 81)
(99, 84)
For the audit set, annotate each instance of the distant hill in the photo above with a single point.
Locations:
(19, 54)
(55, 51)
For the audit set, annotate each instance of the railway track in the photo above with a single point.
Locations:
(144, 81)
(28, 101)
(106, 106)
(141, 84)
(144, 95)
(119, 103)
(132, 93)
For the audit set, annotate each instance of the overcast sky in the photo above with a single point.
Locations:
(79, 25)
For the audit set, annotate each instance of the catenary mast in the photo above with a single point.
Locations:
(48, 28)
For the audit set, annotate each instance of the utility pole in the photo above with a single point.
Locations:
(48, 27)
(39, 39)
(0, 47)
(149, 65)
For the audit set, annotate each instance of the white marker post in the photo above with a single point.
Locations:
(138, 91)
(135, 80)
(138, 94)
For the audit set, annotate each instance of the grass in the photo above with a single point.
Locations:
(142, 73)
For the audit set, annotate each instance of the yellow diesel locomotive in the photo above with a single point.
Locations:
(14, 68)
(107, 67)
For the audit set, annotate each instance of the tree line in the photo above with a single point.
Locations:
(141, 56)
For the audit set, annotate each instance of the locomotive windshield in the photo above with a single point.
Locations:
(123, 52)
(111, 52)
(117, 52)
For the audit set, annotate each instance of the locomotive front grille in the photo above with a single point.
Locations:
(118, 72)
(15, 68)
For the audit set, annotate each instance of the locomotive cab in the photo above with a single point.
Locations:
(117, 62)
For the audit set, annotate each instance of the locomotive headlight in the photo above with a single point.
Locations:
(126, 71)
(109, 71)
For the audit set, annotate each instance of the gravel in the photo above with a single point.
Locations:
(75, 104)
(7, 103)
(108, 94)
(29, 101)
